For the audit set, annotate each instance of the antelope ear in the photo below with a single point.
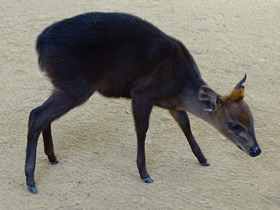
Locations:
(207, 96)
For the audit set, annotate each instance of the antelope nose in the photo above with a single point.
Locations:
(254, 151)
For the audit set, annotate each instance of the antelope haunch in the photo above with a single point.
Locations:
(120, 55)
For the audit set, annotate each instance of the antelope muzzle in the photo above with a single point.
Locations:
(255, 151)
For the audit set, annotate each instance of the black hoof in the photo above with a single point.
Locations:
(33, 190)
(205, 164)
(55, 162)
(148, 180)
(53, 159)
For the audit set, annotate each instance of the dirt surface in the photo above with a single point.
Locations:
(96, 143)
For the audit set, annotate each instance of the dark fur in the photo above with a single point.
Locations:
(118, 55)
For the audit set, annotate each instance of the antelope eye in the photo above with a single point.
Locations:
(233, 127)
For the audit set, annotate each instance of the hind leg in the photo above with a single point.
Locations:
(48, 144)
(40, 119)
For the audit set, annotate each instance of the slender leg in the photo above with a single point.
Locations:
(141, 113)
(183, 120)
(40, 119)
(48, 144)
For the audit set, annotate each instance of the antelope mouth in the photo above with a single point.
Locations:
(240, 147)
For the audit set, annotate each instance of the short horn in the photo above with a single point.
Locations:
(240, 84)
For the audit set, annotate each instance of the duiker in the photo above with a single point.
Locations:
(120, 55)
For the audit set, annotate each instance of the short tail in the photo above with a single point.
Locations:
(42, 52)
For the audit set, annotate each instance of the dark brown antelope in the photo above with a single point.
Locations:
(120, 55)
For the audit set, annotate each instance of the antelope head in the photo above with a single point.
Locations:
(232, 117)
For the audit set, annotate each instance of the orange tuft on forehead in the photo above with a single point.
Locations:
(236, 95)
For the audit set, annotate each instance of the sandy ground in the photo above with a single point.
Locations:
(96, 143)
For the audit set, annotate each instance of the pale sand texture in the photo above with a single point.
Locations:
(96, 143)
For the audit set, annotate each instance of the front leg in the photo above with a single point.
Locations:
(141, 113)
(183, 120)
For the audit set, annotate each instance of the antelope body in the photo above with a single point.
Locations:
(120, 55)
